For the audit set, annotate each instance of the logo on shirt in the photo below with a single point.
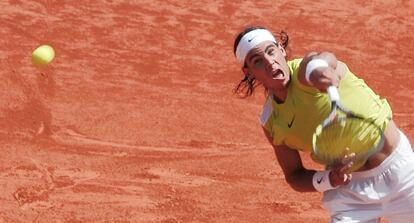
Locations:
(291, 122)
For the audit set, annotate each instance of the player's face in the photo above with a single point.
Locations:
(267, 63)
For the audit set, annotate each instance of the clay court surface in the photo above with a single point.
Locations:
(135, 119)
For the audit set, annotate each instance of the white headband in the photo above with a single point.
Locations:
(251, 40)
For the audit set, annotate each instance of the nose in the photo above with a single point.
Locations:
(269, 60)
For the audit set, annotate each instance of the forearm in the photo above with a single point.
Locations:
(301, 180)
(298, 177)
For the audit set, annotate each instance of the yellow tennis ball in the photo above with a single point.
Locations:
(43, 55)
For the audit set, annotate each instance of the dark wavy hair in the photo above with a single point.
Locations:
(246, 86)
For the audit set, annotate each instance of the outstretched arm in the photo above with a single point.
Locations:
(319, 75)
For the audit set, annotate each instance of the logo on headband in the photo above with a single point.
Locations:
(249, 40)
(247, 43)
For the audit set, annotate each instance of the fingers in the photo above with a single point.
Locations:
(340, 173)
(348, 178)
(325, 77)
(347, 162)
(333, 78)
(347, 157)
(338, 178)
(345, 168)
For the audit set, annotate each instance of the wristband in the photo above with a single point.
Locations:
(312, 65)
(321, 181)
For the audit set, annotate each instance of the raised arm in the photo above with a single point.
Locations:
(321, 70)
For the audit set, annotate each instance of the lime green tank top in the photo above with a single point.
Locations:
(293, 122)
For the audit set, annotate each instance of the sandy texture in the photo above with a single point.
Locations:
(135, 120)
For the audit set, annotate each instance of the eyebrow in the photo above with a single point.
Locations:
(266, 49)
(269, 47)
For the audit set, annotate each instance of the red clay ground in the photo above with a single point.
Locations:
(135, 120)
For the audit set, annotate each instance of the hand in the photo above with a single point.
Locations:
(339, 173)
(324, 77)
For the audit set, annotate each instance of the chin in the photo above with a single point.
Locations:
(286, 82)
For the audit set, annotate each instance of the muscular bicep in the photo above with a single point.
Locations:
(289, 159)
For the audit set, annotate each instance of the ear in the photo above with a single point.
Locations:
(246, 71)
(282, 49)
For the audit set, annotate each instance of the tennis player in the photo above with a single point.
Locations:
(381, 186)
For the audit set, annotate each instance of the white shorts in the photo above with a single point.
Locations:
(385, 191)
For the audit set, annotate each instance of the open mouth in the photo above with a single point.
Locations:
(277, 74)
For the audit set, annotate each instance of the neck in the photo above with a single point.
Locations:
(280, 95)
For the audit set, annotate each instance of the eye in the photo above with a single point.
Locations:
(271, 51)
(257, 62)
